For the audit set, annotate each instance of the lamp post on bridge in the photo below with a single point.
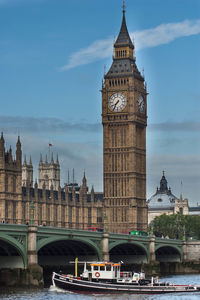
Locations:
(32, 209)
(105, 218)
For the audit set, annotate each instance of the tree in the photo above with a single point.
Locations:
(176, 226)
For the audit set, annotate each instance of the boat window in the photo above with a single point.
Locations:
(108, 267)
(89, 268)
(96, 268)
(102, 268)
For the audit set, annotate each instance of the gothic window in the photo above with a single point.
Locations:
(63, 215)
(6, 209)
(40, 213)
(181, 210)
(14, 210)
(70, 214)
(48, 212)
(23, 212)
(99, 214)
(77, 217)
(89, 216)
(159, 200)
(6, 183)
(14, 184)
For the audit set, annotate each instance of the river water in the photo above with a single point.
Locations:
(54, 294)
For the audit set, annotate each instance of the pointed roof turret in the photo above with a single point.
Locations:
(30, 162)
(2, 148)
(18, 141)
(18, 152)
(40, 158)
(10, 158)
(57, 161)
(163, 183)
(2, 138)
(84, 180)
(24, 164)
(52, 160)
(123, 38)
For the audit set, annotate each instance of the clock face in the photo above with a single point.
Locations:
(141, 103)
(117, 102)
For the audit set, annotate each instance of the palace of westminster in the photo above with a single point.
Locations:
(122, 206)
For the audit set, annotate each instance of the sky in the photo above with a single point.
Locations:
(53, 55)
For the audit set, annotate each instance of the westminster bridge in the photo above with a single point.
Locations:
(22, 245)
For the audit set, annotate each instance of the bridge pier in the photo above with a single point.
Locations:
(32, 246)
(105, 248)
(35, 272)
(152, 256)
(184, 250)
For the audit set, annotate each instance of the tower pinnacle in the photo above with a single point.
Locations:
(123, 39)
(123, 6)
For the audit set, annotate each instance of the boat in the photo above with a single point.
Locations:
(107, 277)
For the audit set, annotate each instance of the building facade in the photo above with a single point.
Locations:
(124, 119)
(21, 202)
(164, 202)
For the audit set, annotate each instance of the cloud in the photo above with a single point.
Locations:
(81, 154)
(29, 124)
(20, 124)
(77, 155)
(187, 126)
(165, 33)
(162, 34)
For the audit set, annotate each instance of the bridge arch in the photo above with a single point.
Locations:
(168, 253)
(128, 252)
(14, 251)
(61, 250)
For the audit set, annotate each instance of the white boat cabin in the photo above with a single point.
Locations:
(109, 271)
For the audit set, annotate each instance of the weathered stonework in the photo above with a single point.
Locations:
(124, 131)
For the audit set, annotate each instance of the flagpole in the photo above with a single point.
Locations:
(49, 152)
(50, 145)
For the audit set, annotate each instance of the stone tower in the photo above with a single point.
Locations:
(10, 183)
(27, 173)
(49, 173)
(124, 119)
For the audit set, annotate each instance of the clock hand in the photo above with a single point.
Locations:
(116, 103)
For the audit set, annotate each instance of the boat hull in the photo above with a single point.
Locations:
(76, 284)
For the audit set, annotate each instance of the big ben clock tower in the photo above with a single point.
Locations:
(124, 119)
